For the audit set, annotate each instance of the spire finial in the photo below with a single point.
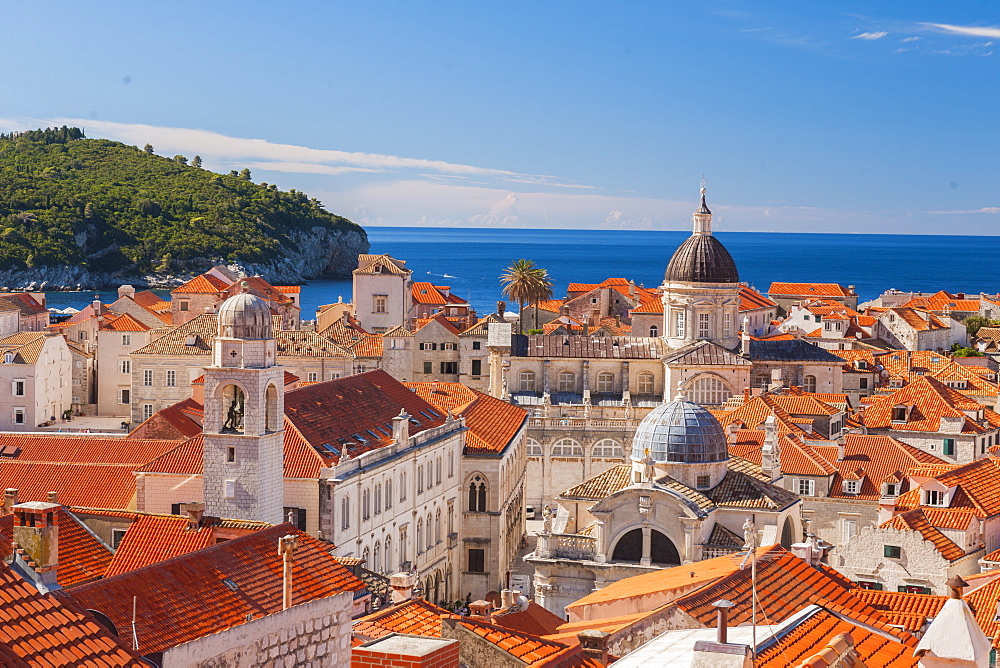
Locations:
(703, 216)
(680, 391)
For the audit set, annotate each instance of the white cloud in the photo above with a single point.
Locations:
(910, 39)
(971, 31)
(870, 36)
(985, 209)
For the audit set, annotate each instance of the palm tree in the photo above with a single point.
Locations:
(524, 282)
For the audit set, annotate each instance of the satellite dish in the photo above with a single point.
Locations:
(104, 621)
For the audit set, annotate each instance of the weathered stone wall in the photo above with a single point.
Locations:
(317, 633)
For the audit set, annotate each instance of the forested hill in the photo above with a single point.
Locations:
(106, 207)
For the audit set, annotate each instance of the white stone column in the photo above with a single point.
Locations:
(647, 545)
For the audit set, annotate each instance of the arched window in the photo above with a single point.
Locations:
(661, 548)
(272, 415)
(809, 383)
(378, 498)
(437, 526)
(526, 380)
(420, 536)
(654, 331)
(388, 494)
(420, 479)
(708, 391)
(605, 382)
(644, 383)
(233, 406)
(533, 448)
(567, 381)
(477, 495)
(365, 504)
(608, 448)
(388, 553)
(567, 447)
(437, 470)
(404, 548)
(345, 513)
(377, 558)
(402, 486)
(430, 536)
(366, 555)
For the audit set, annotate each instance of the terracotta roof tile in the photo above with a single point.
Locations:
(481, 328)
(532, 650)
(151, 539)
(534, 619)
(202, 284)
(124, 323)
(439, 318)
(807, 290)
(602, 485)
(927, 605)
(23, 302)
(367, 263)
(82, 556)
(367, 346)
(932, 400)
(914, 520)
(81, 449)
(42, 630)
(415, 617)
(492, 424)
(78, 484)
(185, 598)
(26, 346)
(427, 293)
(751, 300)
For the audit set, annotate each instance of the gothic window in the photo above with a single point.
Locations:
(233, 402)
(345, 513)
(708, 391)
(377, 506)
(567, 381)
(420, 479)
(533, 448)
(388, 494)
(420, 536)
(365, 504)
(605, 382)
(703, 325)
(526, 380)
(376, 564)
(608, 448)
(567, 447)
(366, 555)
(402, 486)
(809, 383)
(679, 324)
(387, 559)
(477, 495)
(644, 381)
(430, 536)
(437, 526)
(437, 471)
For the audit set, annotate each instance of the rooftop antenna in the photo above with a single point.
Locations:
(135, 638)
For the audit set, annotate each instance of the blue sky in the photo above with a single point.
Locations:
(811, 117)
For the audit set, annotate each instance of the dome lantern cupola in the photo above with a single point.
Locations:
(245, 316)
(702, 258)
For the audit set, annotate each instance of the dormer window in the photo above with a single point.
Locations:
(862, 364)
(899, 413)
(890, 489)
(852, 486)
(8, 358)
(933, 497)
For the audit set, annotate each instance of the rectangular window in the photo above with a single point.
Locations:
(230, 489)
(230, 455)
(477, 345)
(171, 378)
(18, 417)
(17, 387)
(311, 377)
(892, 551)
(477, 367)
(125, 366)
(184, 306)
(82, 336)
(727, 325)
(949, 446)
(124, 396)
(428, 367)
(863, 383)
(147, 377)
(296, 516)
(175, 509)
(848, 530)
(679, 324)
(936, 498)
(477, 560)
(868, 584)
(702, 482)
(449, 367)
(147, 411)
(914, 589)
(116, 537)
(126, 339)
(805, 487)
(379, 304)
(703, 325)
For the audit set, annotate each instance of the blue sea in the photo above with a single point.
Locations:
(470, 260)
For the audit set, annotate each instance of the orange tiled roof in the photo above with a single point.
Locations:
(387, 263)
(81, 449)
(551, 305)
(492, 424)
(185, 598)
(984, 602)
(414, 617)
(178, 421)
(652, 304)
(797, 457)
(441, 320)
(288, 289)
(914, 520)
(481, 328)
(807, 289)
(920, 321)
(931, 400)
(534, 619)
(202, 284)
(802, 642)
(751, 300)
(754, 412)
(927, 605)
(880, 458)
(532, 650)
(123, 323)
(42, 630)
(803, 404)
(602, 485)
(78, 484)
(367, 346)
(152, 538)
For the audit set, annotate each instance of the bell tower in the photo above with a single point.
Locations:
(244, 416)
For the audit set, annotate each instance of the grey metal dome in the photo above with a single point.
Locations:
(245, 316)
(680, 432)
(702, 259)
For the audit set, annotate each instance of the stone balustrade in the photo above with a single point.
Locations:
(566, 546)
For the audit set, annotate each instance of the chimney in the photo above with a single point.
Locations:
(126, 291)
(96, 304)
(722, 619)
(9, 500)
(36, 537)
(195, 512)
(850, 289)
(770, 462)
(747, 394)
(481, 610)
(594, 644)
(51, 498)
(506, 599)
(840, 448)
(402, 586)
(955, 586)
(501, 307)
(286, 548)
(401, 427)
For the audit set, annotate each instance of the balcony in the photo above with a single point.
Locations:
(566, 546)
